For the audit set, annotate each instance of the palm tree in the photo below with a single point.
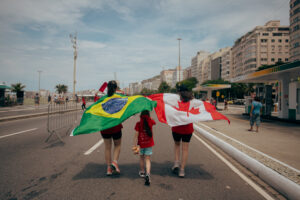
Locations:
(18, 87)
(61, 88)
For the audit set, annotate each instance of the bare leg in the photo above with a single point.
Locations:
(148, 164)
(142, 163)
(117, 149)
(177, 151)
(107, 151)
(185, 152)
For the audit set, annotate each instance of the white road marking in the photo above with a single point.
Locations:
(4, 136)
(234, 169)
(255, 150)
(94, 147)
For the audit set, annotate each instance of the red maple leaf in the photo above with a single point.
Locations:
(184, 106)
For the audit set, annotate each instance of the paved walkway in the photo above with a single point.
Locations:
(276, 145)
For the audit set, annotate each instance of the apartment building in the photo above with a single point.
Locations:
(196, 67)
(294, 30)
(187, 73)
(264, 45)
(167, 76)
(152, 83)
(226, 64)
(135, 88)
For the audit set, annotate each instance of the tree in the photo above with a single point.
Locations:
(164, 87)
(190, 83)
(147, 92)
(18, 87)
(61, 88)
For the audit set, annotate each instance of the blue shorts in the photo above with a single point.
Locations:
(255, 118)
(146, 151)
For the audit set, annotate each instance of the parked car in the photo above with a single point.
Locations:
(239, 101)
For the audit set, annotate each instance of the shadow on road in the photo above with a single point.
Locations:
(95, 170)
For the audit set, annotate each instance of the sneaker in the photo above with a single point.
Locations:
(115, 168)
(108, 171)
(175, 168)
(142, 174)
(181, 173)
(147, 179)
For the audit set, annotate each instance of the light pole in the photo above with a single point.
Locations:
(39, 71)
(74, 42)
(179, 68)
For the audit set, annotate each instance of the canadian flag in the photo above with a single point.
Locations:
(172, 111)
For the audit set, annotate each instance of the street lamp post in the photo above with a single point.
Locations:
(74, 42)
(179, 68)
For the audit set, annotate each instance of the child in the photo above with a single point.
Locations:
(144, 138)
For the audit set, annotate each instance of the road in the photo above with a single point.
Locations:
(33, 169)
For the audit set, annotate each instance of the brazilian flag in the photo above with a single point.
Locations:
(108, 112)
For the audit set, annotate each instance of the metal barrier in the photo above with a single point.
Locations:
(61, 114)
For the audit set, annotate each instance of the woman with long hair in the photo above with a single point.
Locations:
(182, 135)
(110, 135)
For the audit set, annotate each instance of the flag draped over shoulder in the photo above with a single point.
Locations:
(110, 111)
(172, 111)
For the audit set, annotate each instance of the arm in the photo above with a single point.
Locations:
(252, 107)
(135, 139)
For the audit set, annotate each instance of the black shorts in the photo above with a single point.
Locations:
(184, 137)
(115, 136)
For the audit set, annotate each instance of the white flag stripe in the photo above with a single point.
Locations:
(176, 117)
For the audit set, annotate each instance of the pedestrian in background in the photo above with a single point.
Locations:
(112, 134)
(225, 104)
(182, 135)
(256, 109)
(83, 104)
(37, 100)
(49, 98)
(144, 138)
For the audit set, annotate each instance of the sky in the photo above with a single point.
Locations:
(134, 38)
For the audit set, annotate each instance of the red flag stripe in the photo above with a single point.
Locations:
(214, 114)
(103, 86)
(160, 108)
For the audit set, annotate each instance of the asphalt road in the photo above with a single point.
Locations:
(33, 169)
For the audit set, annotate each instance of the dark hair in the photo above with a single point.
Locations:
(146, 125)
(111, 88)
(256, 99)
(185, 94)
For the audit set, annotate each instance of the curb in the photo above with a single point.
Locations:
(283, 185)
(3, 119)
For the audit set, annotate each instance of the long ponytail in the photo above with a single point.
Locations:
(111, 88)
(145, 114)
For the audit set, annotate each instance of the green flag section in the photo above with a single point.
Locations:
(110, 111)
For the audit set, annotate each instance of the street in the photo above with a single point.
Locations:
(33, 169)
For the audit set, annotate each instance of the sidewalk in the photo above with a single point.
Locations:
(276, 145)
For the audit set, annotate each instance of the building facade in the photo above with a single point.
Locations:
(196, 64)
(226, 69)
(167, 76)
(152, 83)
(294, 30)
(264, 45)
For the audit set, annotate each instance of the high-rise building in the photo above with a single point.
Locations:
(264, 45)
(226, 67)
(167, 76)
(196, 66)
(294, 30)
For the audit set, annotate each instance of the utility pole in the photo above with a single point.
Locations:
(74, 42)
(179, 68)
(39, 71)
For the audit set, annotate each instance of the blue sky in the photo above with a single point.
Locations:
(134, 38)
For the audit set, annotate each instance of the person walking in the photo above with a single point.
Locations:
(37, 100)
(112, 134)
(225, 104)
(49, 98)
(256, 110)
(182, 135)
(83, 104)
(144, 138)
